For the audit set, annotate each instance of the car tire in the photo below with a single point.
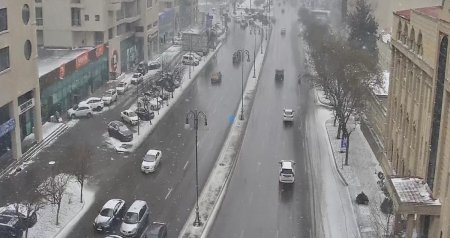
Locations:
(89, 115)
(99, 108)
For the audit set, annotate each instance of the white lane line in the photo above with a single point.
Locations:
(185, 165)
(278, 233)
(168, 193)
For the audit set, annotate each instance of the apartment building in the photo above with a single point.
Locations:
(130, 27)
(20, 106)
(417, 141)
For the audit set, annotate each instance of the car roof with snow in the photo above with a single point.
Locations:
(287, 164)
(136, 206)
(288, 110)
(112, 203)
(153, 152)
(128, 111)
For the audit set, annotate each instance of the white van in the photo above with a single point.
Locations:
(287, 173)
(189, 59)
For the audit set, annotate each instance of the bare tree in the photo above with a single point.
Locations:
(83, 155)
(27, 209)
(53, 190)
(381, 222)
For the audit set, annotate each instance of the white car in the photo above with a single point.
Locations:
(129, 117)
(122, 87)
(137, 78)
(287, 173)
(94, 102)
(109, 96)
(288, 115)
(190, 59)
(110, 213)
(151, 160)
(80, 110)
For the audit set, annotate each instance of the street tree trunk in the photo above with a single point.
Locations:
(57, 213)
(81, 193)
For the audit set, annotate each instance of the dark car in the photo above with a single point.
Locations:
(10, 227)
(156, 230)
(109, 215)
(144, 114)
(279, 74)
(20, 211)
(119, 131)
(142, 68)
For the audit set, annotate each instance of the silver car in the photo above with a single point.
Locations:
(135, 219)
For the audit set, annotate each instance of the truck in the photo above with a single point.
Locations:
(195, 40)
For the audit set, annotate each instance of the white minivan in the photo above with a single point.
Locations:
(287, 173)
(189, 59)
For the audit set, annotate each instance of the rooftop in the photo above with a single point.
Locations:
(50, 59)
(429, 11)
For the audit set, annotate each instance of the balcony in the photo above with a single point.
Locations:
(76, 3)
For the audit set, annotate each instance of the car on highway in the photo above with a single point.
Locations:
(118, 130)
(109, 215)
(94, 103)
(287, 173)
(279, 74)
(109, 96)
(144, 114)
(288, 115)
(122, 87)
(151, 160)
(26, 215)
(283, 31)
(80, 110)
(156, 230)
(129, 117)
(137, 78)
(135, 219)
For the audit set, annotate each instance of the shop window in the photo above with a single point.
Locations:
(3, 20)
(76, 16)
(110, 33)
(27, 49)
(26, 14)
(4, 59)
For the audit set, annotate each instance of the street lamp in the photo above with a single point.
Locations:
(196, 115)
(242, 54)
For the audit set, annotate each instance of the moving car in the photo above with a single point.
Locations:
(130, 117)
(137, 78)
(216, 77)
(135, 219)
(287, 173)
(283, 31)
(109, 96)
(288, 115)
(26, 215)
(119, 131)
(110, 213)
(80, 110)
(151, 160)
(94, 103)
(122, 87)
(156, 230)
(279, 74)
(144, 114)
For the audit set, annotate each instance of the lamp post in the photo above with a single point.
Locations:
(242, 54)
(196, 115)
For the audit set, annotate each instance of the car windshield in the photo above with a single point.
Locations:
(131, 218)
(149, 158)
(121, 84)
(136, 75)
(288, 113)
(107, 212)
(287, 171)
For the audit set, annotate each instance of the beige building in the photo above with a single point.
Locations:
(20, 107)
(418, 128)
(130, 27)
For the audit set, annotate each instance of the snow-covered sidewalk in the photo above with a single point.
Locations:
(361, 176)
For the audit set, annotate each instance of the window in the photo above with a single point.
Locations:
(149, 26)
(110, 33)
(39, 19)
(149, 3)
(27, 49)
(4, 59)
(155, 23)
(76, 16)
(3, 20)
(97, 17)
(25, 14)
(86, 17)
(98, 37)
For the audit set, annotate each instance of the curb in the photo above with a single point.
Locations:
(334, 158)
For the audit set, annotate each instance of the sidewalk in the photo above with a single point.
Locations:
(361, 176)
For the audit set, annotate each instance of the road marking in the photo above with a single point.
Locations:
(185, 165)
(242, 234)
(278, 233)
(168, 193)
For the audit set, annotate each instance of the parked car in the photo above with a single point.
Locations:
(137, 78)
(119, 131)
(109, 96)
(142, 68)
(135, 219)
(122, 87)
(287, 173)
(26, 216)
(130, 117)
(10, 227)
(108, 216)
(144, 114)
(216, 77)
(80, 110)
(154, 64)
(94, 103)
(189, 59)
(288, 115)
(151, 160)
(279, 74)
(156, 230)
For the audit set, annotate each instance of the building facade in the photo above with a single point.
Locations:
(20, 105)
(417, 141)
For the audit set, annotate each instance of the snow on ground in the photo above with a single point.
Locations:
(70, 213)
(47, 129)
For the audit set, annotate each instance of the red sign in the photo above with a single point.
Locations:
(99, 51)
(82, 60)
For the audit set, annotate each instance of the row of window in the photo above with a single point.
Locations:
(409, 38)
(86, 17)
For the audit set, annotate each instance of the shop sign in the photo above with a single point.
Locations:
(26, 106)
(82, 60)
(7, 126)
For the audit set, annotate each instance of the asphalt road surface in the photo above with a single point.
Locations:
(170, 191)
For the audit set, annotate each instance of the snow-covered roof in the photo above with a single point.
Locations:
(50, 59)
(112, 203)
(413, 190)
(153, 152)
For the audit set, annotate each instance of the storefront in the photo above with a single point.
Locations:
(67, 85)
(166, 25)
(129, 54)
